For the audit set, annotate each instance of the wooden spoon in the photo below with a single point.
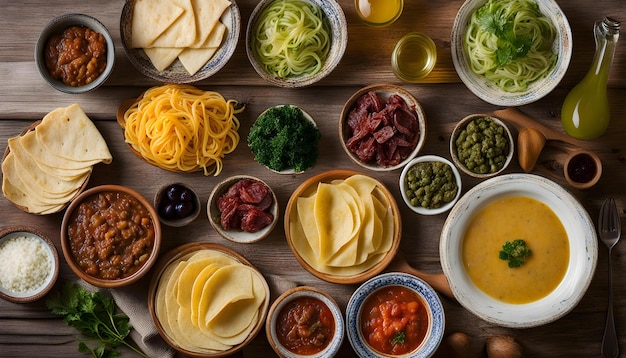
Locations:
(438, 281)
(530, 143)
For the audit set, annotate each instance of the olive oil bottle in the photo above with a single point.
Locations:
(585, 113)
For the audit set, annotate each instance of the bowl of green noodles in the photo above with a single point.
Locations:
(511, 52)
(296, 43)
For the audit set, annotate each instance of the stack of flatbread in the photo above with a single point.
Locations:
(46, 168)
(189, 30)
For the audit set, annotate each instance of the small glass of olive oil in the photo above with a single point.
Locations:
(379, 13)
(413, 57)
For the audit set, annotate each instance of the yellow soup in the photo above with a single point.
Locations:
(509, 219)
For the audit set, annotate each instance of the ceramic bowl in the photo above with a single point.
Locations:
(56, 26)
(583, 251)
(236, 234)
(384, 91)
(176, 72)
(31, 239)
(428, 298)
(74, 216)
(460, 126)
(171, 196)
(404, 186)
(290, 300)
(338, 38)
(489, 92)
(304, 253)
(163, 268)
(582, 169)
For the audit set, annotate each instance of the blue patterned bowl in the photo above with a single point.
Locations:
(436, 321)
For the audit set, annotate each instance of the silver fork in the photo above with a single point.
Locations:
(609, 229)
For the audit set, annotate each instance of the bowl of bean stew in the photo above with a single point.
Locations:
(110, 236)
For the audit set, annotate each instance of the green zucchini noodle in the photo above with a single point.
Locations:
(291, 38)
(509, 42)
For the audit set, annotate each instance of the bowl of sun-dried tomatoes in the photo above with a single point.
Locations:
(243, 209)
(382, 127)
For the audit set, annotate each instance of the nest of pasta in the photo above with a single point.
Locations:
(181, 128)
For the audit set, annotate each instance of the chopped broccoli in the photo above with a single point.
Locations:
(516, 252)
(282, 138)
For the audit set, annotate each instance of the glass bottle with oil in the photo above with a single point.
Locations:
(379, 13)
(585, 113)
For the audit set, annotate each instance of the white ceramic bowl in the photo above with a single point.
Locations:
(582, 256)
(14, 233)
(384, 91)
(235, 235)
(490, 93)
(56, 26)
(436, 316)
(404, 185)
(176, 72)
(339, 42)
(304, 292)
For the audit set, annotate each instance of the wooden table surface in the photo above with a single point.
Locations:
(29, 330)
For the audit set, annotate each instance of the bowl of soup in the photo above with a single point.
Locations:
(518, 250)
(395, 314)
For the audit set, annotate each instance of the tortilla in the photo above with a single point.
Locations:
(159, 14)
(181, 33)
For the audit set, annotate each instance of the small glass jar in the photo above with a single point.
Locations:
(413, 57)
(379, 13)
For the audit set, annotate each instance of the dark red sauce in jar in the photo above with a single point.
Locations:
(394, 320)
(305, 326)
(582, 168)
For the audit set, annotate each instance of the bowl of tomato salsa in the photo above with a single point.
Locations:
(395, 314)
(305, 322)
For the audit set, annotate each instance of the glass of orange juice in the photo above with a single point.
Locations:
(379, 13)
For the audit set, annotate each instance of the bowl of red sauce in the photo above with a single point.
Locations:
(397, 300)
(305, 322)
(382, 127)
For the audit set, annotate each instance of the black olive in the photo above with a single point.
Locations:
(173, 192)
(184, 209)
(167, 210)
(186, 195)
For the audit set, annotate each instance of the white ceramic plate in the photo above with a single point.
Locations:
(582, 261)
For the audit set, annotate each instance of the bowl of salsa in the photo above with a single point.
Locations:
(395, 314)
(305, 321)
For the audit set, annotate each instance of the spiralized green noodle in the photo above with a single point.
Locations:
(509, 42)
(291, 38)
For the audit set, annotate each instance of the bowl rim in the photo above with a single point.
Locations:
(580, 270)
(305, 291)
(188, 248)
(480, 87)
(158, 195)
(60, 23)
(240, 237)
(69, 256)
(328, 176)
(335, 55)
(597, 161)
(429, 297)
(386, 89)
(430, 158)
(222, 56)
(51, 279)
(461, 125)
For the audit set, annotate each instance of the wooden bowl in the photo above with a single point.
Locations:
(309, 187)
(72, 214)
(19, 233)
(236, 235)
(290, 300)
(185, 251)
(582, 169)
(384, 91)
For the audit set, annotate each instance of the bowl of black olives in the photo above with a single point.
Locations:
(177, 204)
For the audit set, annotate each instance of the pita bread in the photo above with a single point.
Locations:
(162, 57)
(181, 33)
(159, 14)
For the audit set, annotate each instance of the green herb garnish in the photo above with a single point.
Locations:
(516, 252)
(510, 45)
(399, 338)
(93, 315)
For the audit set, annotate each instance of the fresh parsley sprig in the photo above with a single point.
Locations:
(515, 252)
(93, 315)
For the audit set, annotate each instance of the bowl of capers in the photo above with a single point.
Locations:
(481, 146)
(430, 184)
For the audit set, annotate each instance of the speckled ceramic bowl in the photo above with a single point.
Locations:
(489, 92)
(339, 42)
(430, 300)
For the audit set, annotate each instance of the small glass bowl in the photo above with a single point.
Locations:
(373, 15)
(413, 57)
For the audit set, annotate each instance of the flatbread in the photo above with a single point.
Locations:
(150, 19)
(162, 57)
(193, 59)
(181, 33)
